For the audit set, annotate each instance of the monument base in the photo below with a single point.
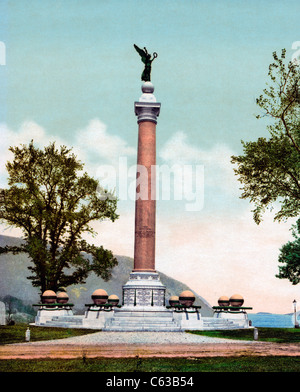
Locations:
(239, 318)
(142, 319)
(143, 307)
(45, 315)
(143, 289)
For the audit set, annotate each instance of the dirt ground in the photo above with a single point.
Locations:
(32, 351)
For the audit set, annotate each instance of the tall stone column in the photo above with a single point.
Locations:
(147, 111)
(143, 301)
(144, 287)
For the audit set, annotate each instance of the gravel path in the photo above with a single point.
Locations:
(109, 338)
(144, 344)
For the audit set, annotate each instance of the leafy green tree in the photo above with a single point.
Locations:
(53, 202)
(290, 257)
(269, 169)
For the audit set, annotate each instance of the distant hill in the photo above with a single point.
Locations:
(13, 281)
(264, 313)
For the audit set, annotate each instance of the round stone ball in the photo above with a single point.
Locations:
(99, 297)
(174, 300)
(147, 88)
(62, 297)
(187, 298)
(113, 300)
(236, 300)
(223, 301)
(48, 297)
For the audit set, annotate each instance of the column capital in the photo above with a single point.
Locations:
(147, 111)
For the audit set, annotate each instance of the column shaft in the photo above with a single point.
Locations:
(144, 246)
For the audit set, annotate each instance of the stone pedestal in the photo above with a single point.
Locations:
(238, 318)
(45, 315)
(2, 314)
(189, 319)
(143, 307)
(143, 289)
(95, 317)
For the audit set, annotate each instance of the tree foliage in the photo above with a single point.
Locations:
(290, 256)
(53, 202)
(269, 169)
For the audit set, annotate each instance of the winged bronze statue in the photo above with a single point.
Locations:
(146, 59)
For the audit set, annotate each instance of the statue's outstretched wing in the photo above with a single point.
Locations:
(141, 52)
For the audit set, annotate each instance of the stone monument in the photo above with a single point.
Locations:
(144, 287)
(143, 305)
(2, 314)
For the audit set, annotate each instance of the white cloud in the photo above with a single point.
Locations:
(93, 145)
(218, 170)
(95, 139)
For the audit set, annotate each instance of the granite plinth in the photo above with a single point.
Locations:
(143, 307)
(239, 318)
(144, 289)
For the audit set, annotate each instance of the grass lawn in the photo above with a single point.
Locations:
(275, 335)
(16, 333)
(215, 364)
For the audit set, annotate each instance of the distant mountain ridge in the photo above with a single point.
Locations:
(13, 281)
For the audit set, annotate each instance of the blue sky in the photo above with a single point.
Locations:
(72, 75)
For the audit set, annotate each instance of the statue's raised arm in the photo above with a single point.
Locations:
(146, 59)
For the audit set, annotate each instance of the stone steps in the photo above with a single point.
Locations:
(143, 314)
(126, 320)
(64, 322)
(214, 323)
(135, 323)
(140, 320)
(69, 319)
(59, 324)
(142, 327)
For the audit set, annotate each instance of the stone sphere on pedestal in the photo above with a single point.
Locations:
(113, 300)
(62, 297)
(236, 300)
(147, 96)
(174, 300)
(147, 87)
(99, 297)
(223, 301)
(187, 298)
(48, 297)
